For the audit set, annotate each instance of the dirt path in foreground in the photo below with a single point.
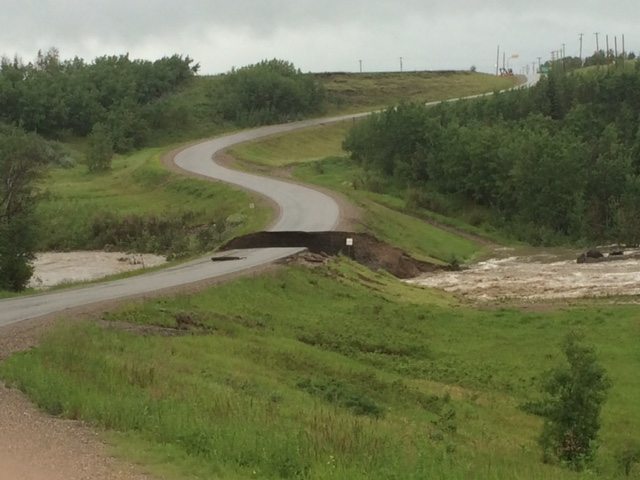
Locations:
(35, 446)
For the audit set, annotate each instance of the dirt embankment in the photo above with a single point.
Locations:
(361, 247)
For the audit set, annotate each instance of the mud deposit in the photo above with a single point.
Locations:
(66, 267)
(538, 277)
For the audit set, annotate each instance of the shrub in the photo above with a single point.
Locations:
(268, 92)
(574, 393)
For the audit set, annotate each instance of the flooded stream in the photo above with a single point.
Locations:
(538, 276)
(55, 268)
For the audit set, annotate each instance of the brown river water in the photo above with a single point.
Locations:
(538, 276)
(55, 268)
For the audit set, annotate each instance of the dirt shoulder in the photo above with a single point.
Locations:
(35, 446)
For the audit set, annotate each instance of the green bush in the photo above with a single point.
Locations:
(268, 92)
(575, 393)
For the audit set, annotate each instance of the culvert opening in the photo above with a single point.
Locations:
(361, 247)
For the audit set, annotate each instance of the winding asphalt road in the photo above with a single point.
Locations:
(301, 209)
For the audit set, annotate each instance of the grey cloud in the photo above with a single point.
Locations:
(318, 35)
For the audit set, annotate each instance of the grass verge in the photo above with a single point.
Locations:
(335, 372)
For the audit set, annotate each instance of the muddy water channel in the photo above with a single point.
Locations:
(538, 276)
(55, 268)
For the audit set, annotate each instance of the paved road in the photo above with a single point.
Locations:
(301, 209)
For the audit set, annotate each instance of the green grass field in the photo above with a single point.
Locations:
(335, 372)
(301, 146)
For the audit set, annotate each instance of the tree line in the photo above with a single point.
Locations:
(556, 163)
(59, 98)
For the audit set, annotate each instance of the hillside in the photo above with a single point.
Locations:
(77, 204)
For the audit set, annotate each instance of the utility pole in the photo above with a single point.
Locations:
(624, 53)
(504, 60)
(360, 65)
(498, 61)
(401, 66)
(563, 51)
(607, 49)
(615, 43)
(539, 63)
(597, 34)
(581, 35)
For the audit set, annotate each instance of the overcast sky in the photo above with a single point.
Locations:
(327, 35)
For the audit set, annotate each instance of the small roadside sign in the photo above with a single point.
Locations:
(349, 242)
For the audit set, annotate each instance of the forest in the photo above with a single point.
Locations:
(558, 163)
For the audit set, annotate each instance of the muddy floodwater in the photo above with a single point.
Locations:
(51, 269)
(538, 276)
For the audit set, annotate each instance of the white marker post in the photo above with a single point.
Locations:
(349, 243)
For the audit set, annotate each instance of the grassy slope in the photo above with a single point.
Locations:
(137, 185)
(370, 91)
(363, 389)
(301, 146)
(629, 66)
